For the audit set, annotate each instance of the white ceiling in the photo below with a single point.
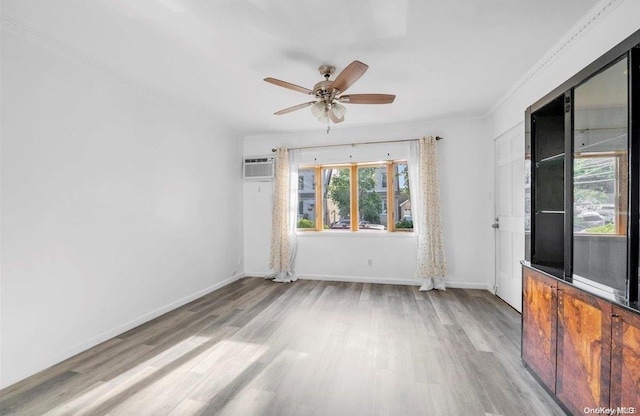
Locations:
(441, 58)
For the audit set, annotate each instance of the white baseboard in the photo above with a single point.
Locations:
(151, 315)
(361, 279)
(382, 280)
(120, 329)
(256, 274)
(470, 285)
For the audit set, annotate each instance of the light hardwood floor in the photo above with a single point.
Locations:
(306, 348)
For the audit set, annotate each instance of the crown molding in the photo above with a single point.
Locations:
(578, 31)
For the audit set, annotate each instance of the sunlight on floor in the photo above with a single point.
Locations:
(157, 384)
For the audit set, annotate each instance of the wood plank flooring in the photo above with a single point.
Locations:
(308, 348)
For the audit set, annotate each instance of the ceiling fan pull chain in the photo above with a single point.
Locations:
(328, 128)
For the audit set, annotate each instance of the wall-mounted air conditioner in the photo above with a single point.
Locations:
(259, 168)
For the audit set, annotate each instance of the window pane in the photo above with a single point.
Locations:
(600, 177)
(372, 191)
(404, 218)
(337, 198)
(306, 199)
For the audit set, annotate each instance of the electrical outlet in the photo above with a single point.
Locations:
(370, 262)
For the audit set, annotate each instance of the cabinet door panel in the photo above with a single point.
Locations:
(583, 349)
(625, 359)
(539, 323)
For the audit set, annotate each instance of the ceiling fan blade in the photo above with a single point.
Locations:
(367, 98)
(294, 108)
(335, 118)
(349, 75)
(288, 85)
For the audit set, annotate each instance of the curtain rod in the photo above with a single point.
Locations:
(354, 144)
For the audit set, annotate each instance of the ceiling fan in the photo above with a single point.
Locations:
(328, 94)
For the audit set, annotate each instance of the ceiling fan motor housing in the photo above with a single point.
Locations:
(322, 90)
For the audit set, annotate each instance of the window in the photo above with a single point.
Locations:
(336, 197)
(370, 196)
(306, 199)
(402, 197)
(382, 204)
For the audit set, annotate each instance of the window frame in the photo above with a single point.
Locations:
(353, 167)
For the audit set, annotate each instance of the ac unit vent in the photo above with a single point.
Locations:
(259, 168)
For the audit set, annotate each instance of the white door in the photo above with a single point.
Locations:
(509, 214)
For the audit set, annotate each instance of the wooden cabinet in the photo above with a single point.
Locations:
(625, 359)
(539, 325)
(583, 349)
(583, 256)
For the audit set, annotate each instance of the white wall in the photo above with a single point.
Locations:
(116, 207)
(467, 209)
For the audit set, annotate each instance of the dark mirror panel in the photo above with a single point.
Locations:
(547, 198)
(550, 185)
(600, 178)
(549, 136)
(549, 242)
(634, 173)
(527, 186)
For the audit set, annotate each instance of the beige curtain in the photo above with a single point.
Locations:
(283, 219)
(431, 264)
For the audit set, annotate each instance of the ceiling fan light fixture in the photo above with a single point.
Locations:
(339, 110)
(324, 117)
(318, 109)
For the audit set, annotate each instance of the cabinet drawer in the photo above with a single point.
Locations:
(583, 349)
(539, 324)
(625, 359)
